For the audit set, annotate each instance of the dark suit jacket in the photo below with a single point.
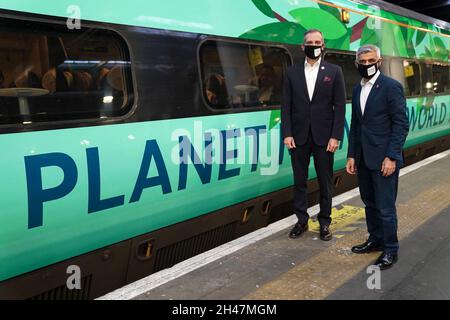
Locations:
(382, 131)
(325, 113)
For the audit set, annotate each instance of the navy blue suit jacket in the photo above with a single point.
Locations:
(325, 113)
(382, 131)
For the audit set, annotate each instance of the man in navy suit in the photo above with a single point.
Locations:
(377, 133)
(312, 118)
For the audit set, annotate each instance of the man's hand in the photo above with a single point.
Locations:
(333, 144)
(351, 166)
(289, 142)
(388, 167)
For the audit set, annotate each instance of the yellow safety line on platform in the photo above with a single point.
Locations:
(341, 218)
(322, 274)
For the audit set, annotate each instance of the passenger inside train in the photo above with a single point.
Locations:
(59, 76)
(249, 76)
(216, 90)
(269, 91)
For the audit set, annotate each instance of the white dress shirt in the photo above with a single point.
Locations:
(366, 86)
(311, 72)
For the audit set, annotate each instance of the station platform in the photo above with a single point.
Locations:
(267, 265)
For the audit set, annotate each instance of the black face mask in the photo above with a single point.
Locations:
(368, 71)
(313, 52)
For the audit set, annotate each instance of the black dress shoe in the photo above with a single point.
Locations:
(367, 247)
(325, 233)
(386, 260)
(298, 230)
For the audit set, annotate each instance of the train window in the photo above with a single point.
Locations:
(51, 73)
(435, 78)
(427, 78)
(407, 72)
(440, 78)
(237, 75)
(347, 63)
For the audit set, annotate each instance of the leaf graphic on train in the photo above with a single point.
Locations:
(334, 11)
(264, 7)
(408, 35)
(395, 46)
(394, 37)
(370, 35)
(267, 10)
(440, 52)
(387, 36)
(342, 43)
(430, 50)
(357, 30)
(289, 32)
(427, 54)
(410, 49)
(275, 118)
(420, 36)
(314, 18)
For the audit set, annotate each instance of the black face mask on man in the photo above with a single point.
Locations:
(313, 52)
(368, 70)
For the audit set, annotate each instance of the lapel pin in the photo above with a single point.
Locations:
(378, 85)
(323, 68)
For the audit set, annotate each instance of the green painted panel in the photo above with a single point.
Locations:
(266, 20)
(69, 230)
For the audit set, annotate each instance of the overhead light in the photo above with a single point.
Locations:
(345, 16)
(108, 99)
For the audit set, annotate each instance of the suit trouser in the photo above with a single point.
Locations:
(323, 163)
(379, 195)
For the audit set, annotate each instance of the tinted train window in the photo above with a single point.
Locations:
(51, 73)
(242, 75)
(435, 78)
(408, 74)
(347, 63)
(440, 78)
(427, 78)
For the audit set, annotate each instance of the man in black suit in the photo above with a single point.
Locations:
(312, 117)
(377, 133)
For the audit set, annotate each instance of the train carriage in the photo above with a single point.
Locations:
(136, 136)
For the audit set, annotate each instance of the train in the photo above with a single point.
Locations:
(136, 135)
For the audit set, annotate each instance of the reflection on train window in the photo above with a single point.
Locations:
(407, 72)
(427, 78)
(50, 73)
(242, 75)
(435, 78)
(440, 78)
(347, 63)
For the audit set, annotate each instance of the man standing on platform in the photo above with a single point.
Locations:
(377, 133)
(312, 118)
